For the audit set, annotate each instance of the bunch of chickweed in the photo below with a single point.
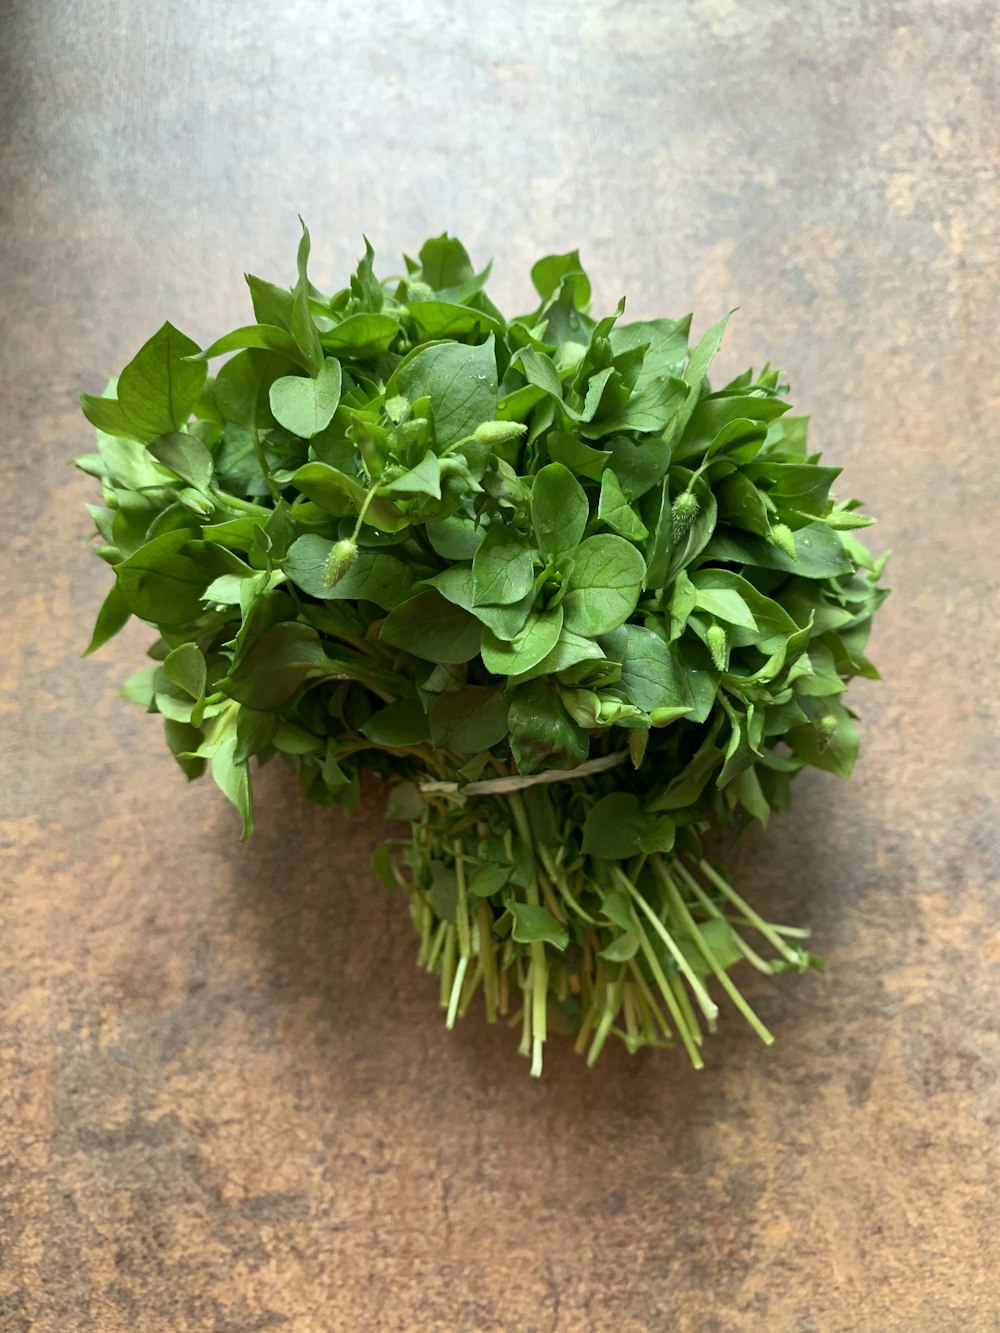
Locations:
(569, 604)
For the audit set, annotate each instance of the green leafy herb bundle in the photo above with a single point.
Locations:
(571, 605)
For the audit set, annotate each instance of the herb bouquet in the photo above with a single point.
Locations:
(573, 607)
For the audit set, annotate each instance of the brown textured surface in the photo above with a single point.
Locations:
(228, 1101)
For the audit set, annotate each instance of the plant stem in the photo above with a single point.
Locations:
(539, 965)
(723, 977)
(708, 1006)
(258, 449)
(461, 907)
(456, 991)
(772, 937)
(487, 957)
(671, 1001)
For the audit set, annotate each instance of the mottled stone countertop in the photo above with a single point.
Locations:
(227, 1099)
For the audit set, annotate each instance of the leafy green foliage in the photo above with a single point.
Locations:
(400, 533)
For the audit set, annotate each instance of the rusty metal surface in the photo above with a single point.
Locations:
(228, 1101)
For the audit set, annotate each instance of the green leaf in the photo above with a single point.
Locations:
(183, 741)
(505, 622)
(399, 724)
(443, 891)
(279, 662)
(460, 381)
(233, 780)
(614, 510)
(762, 620)
(376, 576)
(139, 688)
(527, 648)
(424, 479)
(835, 752)
(430, 627)
(727, 422)
(185, 667)
(271, 304)
(542, 734)
(819, 550)
(604, 586)
(306, 406)
(666, 343)
(405, 801)
(534, 924)
(719, 938)
(648, 409)
(615, 826)
(164, 580)
(725, 604)
(186, 456)
(340, 494)
(112, 617)
(361, 336)
(699, 361)
(559, 510)
(802, 487)
(656, 674)
(570, 650)
(488, 879)
(304, 331)
(580, 458)
(471, 720)
(262, 337)
(621, 949)
(242, 390)
(382, 866)
(548, 273)
(444, 263)
(106, 414)
(456, 537)
(443, 319)
(742, 504)
(638, 464)
(159, 388)
(132, 464)
(539, 370)
(503, 568)
(617, 909)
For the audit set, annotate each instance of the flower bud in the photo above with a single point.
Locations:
(583, 706)
(498, 433)
(601, 354)
(342, 556)
(783, 537)
(825, 729)
(610, 711)
(397, 409)
(718, 646)
(684, 511)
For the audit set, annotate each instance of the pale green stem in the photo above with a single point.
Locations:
(488, 959)
(651, 1005)
(723, 976)
(456, 990)
(756, 921)
(687, 1009)
(671, 1000)
(560, 882)
(705, 1002)
(612, 1003)
(461, 907)
(448, 965)
(539, 964)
